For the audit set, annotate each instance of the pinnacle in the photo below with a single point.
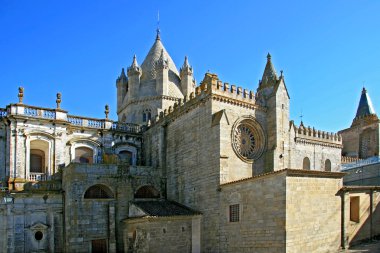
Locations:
(134, 62)
(186, 63)
(365, 105)
(269, 57)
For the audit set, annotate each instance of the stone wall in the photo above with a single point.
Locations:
(261, 227)
(313, 214)
(160, 234)
(31, 213)
(278, 213)
(359, 230)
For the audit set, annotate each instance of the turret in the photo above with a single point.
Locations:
(134, 74)
(162, 74)
(122, 87)
(273, 94)
(187, 78)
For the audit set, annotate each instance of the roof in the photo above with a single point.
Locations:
(292, 173)
(365, 105)
(149, 64)
(164, 208)
(269, 75)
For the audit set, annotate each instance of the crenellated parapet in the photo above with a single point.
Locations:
(210, 88)
(310, 135)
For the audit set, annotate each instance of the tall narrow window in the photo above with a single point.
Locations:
(327, 165)
(234, 213)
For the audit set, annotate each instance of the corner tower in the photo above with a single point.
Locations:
(150, 88)
(273, 94)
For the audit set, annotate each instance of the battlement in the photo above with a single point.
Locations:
(314, 135)
(211, 82)
(210, 86)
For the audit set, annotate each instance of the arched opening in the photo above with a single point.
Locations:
(125, 157)
(98, 192)
(147, 115)
(38, 160)
(327, 165)
(147, 191)
(306, 163)
(84, 155)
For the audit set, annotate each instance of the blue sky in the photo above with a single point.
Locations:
(326, 48)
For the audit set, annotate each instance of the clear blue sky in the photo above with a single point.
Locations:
(326, 49)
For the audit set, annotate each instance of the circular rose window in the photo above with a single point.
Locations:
(248, 139)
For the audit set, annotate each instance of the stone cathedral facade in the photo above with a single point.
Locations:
(187, 167)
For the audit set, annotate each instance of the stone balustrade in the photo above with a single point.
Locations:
(61, 115)
(3, 112)
(35, 176)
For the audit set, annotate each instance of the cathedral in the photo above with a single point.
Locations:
(186, 167)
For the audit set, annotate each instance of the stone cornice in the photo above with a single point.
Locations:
(315, 142)
(145, 99)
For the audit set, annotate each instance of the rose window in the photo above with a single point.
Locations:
(248, 139)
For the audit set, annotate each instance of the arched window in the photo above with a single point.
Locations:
(98, 192)
(306, 163)
(147, 191)
(125, 157)
(327, 165)
(147, 115)
(84, 155)
(38, 157)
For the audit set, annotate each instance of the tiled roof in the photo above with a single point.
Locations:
(365, 105)
(163, 207)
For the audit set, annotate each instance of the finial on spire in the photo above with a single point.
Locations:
(158, 26)
(269, 57)
(301, 116)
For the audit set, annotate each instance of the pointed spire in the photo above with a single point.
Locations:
(186, 63)
(186, 68)
(270, 75)
(134, 66)
(162, 61)
(365, 107)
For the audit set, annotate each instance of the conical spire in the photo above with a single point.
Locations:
(270, 74)
(365, 105)
(186, 63)
(122, 75)
(186, 68)
(134, 66)
(150, 62)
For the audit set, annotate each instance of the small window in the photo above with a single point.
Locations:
(234, 213)
(355, 209)
(38, 235)
(144, 117)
